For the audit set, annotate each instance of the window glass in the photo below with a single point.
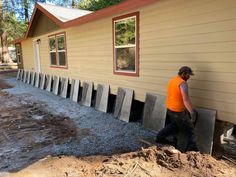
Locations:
(53, 58)
(62, 58)
(61, 42)
(125, 58)
(52, 44)
(125, 44)
(125, 32)
(57, 50)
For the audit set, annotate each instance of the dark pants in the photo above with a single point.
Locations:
(180, 126)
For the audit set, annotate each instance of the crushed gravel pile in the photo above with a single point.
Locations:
(102, 133)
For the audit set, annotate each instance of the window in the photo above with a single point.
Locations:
(57, 48)
(126, 44)
(18, 53)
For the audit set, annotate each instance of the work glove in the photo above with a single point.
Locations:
(193, 116)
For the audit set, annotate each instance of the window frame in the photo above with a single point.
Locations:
(57, 53)
(20, 54)
(117, 19)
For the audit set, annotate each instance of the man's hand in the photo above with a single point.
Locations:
(193, 116)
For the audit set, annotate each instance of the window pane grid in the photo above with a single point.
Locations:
(57, 51)
(125, 42)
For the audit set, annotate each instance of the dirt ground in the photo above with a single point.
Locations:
(27, 131)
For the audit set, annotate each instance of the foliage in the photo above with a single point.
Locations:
(94, 5)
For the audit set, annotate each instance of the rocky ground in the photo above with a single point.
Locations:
(39, 137)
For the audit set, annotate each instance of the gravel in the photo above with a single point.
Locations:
(108, 135)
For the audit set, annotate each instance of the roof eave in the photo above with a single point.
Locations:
(109, 11)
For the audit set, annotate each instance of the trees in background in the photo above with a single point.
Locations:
(94, 5)
(15, 16)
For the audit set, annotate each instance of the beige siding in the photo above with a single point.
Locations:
(28, 54)
(200, 34)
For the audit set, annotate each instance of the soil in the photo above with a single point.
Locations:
(29, 133)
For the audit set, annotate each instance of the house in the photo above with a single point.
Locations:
(140, 45)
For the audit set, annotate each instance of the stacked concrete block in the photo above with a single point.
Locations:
(42, 81)
(87, 93)
(32, 77)
(123, 104)
(18, 74)
(102, 97)
(49, 83)
(64, 87)
(28, 77)
(55, 88)
(204, 129)
(37, 80)
(74, 92)
(154, 115)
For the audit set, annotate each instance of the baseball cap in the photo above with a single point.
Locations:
(186, 70)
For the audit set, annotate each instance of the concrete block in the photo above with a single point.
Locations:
(32, 77)
(64, 87)
(204, 129)
(28, 77)
(25, 76)
(49, 83)
(123, 104)
(102, 97)
(21, 75)
(56, 80)
(74, 92)
(42, 81)
(37, 80)
(87, 93)
(18, 74)
(154, 115)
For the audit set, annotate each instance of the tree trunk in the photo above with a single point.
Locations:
(26, 11)
(5, 53)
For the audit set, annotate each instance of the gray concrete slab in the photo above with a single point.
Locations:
(28, 77)
(56, 80)
(87, 93)
(74, 92)
(154, 114)
(64, 87)
(36, 80)
(49, 83)
(123, 104)
(204, 129)
(32, 78)
(42, 81)
(102, 97)
(18, 74)
(25, 76)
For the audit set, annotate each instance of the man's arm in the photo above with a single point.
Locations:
(186, 99)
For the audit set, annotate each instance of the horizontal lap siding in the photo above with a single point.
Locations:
(28, 54)
(201, 34)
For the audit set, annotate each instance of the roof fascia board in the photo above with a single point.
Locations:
(109, 11)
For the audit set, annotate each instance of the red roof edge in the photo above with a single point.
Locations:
(106, 12)
(109, 11)
(19, 40)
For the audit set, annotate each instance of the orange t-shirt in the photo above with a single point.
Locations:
(174, 100)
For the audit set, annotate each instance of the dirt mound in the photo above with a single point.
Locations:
(152, 161)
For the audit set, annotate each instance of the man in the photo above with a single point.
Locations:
(180, 112)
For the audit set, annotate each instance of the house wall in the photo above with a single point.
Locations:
(27, 54)
(173, 33)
